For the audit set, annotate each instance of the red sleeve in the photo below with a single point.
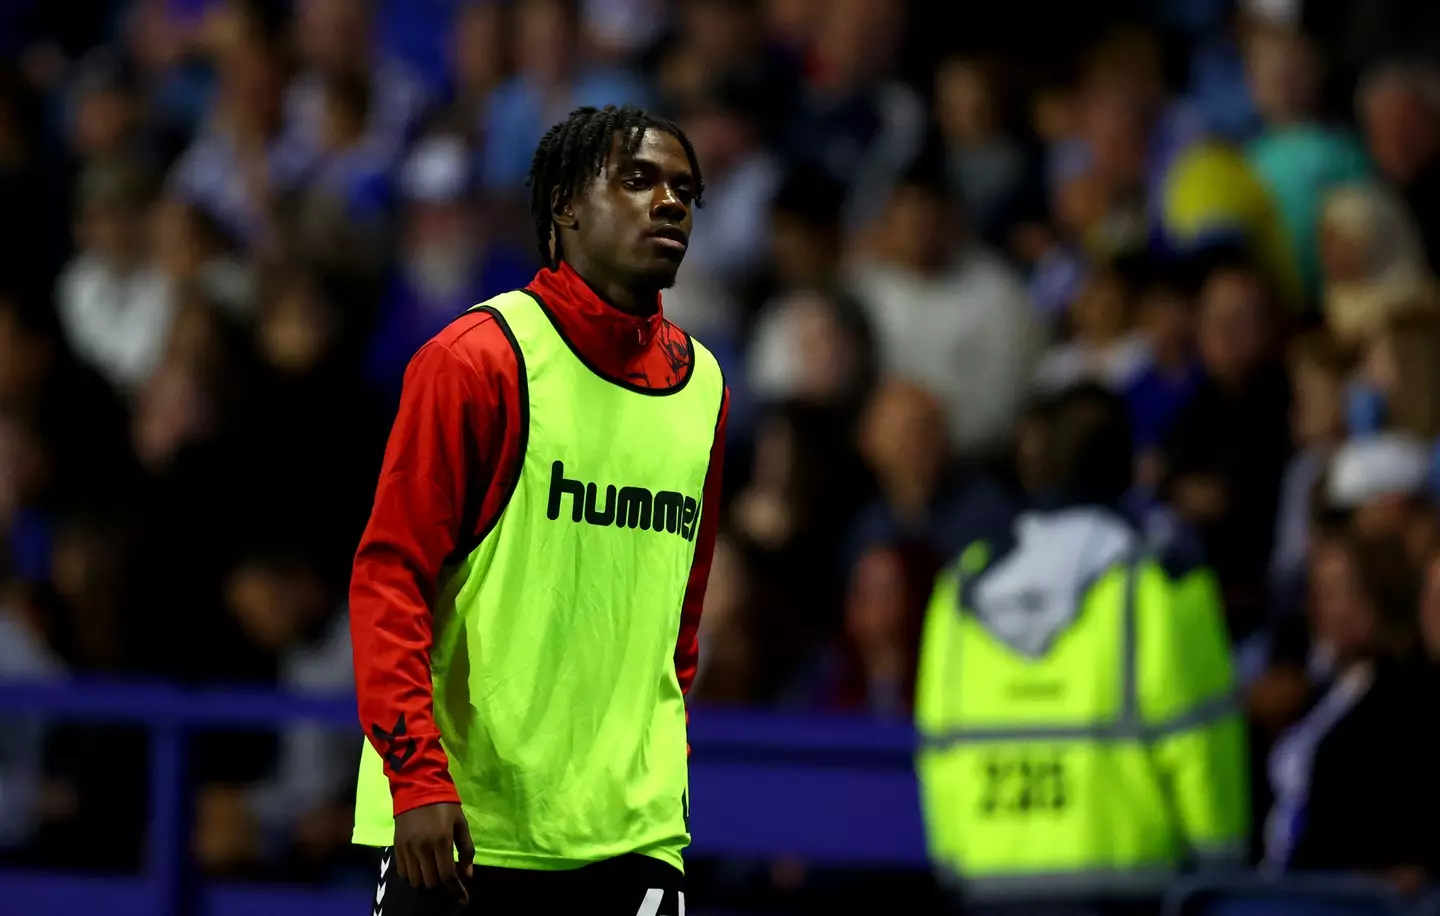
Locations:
(448, 444)
(687, 648)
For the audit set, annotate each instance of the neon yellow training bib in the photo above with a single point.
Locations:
(553, 660)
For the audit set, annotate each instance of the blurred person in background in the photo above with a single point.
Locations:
(926, 496)
(621, 30)
(1379, 486)
(191, 250)
(987, 167)
(115, 306)
(1372, 261)
(299, 813)
(805, 482)
(1172, 374)
(309, 435)
(1296, 155)
(1025, 627)
(335, 41)
(1351, 778)
(1398, 385)
(341, 214)
(806, 241)
(1319, 369)
(948, 314)
(33, 185)
(733, 231)
(107, 116)
(239, 167)
(1398, 104)
(724, 42)
(813, 347)
(551, 80)
(449, 258)
(81, 423)
(731, 235)
(1226, 455)
(858, 122)
(479, 52)
(1104, 346)
(25, 654)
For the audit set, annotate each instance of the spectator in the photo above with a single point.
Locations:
(729, 238)
(1297, 157)
(480, 62)
(190, 250)
(1379, 487)
(804, 231)
(741, 180)
(1230, 445)
(788, 521)
(341, 215)
(238, 167)
(928, 504)
(723, 42)
(1372, 261)
(1343, 771)
(448, 259)
(1398, 387)
(335, 42)
(1158, 394)
(291, 813)
(307, 435)
(551, 82)
(811, 347)
(857, 122)
(1105, 348)
(953, 318)
(116, 309)
(1319, 366)
(79, 421)
(986, 167)
(1399, 105)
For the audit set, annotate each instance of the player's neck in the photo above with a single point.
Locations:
(625, 297)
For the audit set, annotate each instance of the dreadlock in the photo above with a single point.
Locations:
(574, 151)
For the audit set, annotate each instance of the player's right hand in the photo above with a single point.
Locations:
(426, 840)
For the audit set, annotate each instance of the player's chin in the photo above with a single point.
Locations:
(661, 274)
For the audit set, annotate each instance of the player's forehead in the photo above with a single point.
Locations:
(654, 148)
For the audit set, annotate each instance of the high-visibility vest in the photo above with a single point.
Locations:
(555, 689)
(1098, 763)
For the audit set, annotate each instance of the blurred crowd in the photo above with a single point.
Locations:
(228, 224)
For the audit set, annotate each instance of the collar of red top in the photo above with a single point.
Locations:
(607, 336)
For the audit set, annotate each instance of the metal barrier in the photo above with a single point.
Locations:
(830, 790)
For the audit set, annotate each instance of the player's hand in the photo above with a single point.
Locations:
(425, 840)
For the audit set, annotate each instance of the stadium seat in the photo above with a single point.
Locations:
(1309, 896)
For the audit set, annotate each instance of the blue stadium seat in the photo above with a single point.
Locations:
(1308, 896)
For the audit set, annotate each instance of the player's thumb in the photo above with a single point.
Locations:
(464, 845)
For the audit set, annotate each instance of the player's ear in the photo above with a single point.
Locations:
(562, 212)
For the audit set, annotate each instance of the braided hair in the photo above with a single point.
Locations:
(575, 151)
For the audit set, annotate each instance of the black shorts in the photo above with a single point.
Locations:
(632, 885)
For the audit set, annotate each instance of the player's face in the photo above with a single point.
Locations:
(634, 219)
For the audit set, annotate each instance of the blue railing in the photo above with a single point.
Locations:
(832, 791)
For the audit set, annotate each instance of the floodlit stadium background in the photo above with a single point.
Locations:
(215, 263)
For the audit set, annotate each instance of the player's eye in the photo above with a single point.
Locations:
(636, 183)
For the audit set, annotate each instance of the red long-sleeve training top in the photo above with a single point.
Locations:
(455, 446)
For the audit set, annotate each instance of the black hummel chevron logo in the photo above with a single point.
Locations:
(394, 746)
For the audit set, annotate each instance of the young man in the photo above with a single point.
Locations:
(526, 597)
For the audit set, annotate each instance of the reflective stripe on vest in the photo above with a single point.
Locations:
(555, 689)
(1128, 727)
